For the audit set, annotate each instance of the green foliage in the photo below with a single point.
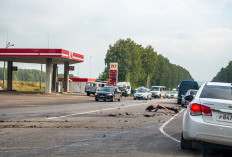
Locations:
(142, 66)
(225, 75)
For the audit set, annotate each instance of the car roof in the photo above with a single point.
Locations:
(218, 84)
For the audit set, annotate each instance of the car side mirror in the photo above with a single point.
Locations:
(189, 98)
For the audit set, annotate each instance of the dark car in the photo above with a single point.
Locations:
(108, 94)
(184, 86)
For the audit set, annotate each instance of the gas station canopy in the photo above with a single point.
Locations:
(50, 57)
(59, 56)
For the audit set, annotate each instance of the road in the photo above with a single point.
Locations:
(83, 127)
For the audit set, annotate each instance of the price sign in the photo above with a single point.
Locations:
(113, 74)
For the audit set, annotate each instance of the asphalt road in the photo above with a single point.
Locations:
(83, 127)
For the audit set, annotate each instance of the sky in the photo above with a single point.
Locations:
(195, 34)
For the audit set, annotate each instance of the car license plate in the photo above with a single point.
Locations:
(225, 117)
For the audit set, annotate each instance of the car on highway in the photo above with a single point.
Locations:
(192, 92)
(183, 87)
(208, 117)
(142, 93)
(93, 87)
(108, 93)
(172, 95)
(158, 91)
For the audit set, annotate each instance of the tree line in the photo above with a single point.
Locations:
(31, 75)
(224, 75)
(142, 66)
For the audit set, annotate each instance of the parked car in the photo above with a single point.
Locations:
(108, 94)
(93, 87)
(158, 91)
(192, 92)
(208, 117)
(142, 93)
(183, 87)
(172, 95)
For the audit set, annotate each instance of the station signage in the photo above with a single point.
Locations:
(113, 74)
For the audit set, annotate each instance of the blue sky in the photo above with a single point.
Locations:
(195, 34)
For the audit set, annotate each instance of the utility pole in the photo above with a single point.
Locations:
(90, 65)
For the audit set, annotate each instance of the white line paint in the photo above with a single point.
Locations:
(162, 127)
(75, 114)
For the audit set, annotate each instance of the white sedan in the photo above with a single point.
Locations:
(142, 93)
(208, 117)
(172, 95)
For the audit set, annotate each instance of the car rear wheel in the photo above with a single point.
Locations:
(88, 94)
(185, 144)
(96, 99)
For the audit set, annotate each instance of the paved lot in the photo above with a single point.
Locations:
(76, 125)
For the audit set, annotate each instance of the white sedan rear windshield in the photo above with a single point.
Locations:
(217, 92)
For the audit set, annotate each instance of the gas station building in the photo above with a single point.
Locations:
(50, 57)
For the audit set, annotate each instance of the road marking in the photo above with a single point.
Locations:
(75, 114)
(162, 127)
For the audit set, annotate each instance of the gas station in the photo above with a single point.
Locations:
(50, 57)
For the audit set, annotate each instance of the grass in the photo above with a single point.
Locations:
(25, 86)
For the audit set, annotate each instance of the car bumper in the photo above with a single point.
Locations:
(196, 129)
(140, 97)
(104, 97)
(155, 95)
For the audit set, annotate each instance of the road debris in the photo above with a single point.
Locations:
(155, 108)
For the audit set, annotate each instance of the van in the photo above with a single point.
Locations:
(93, 87)
(125, 87)
(183, 87)
(159, 91)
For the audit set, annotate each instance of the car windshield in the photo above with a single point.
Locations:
(142, 90)
(217, 92)
(155, 89)
(107, 89)
(122, 88)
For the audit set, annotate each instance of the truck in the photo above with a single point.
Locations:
(125, 88)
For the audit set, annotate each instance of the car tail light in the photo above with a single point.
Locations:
(197, 109)
(206, 111)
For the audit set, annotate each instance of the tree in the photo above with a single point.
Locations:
(142, 66)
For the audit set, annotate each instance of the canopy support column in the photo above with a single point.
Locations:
(9, 75)
(54, 77)
(66, 76)
(48, 75)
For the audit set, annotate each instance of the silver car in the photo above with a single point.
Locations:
(208, 117)
(142, 93)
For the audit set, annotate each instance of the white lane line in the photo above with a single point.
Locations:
(75, 114)
(162, 127)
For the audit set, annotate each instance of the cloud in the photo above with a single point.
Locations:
(186, 32)
(203, 53)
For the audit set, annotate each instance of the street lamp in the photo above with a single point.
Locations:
(4, 69)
